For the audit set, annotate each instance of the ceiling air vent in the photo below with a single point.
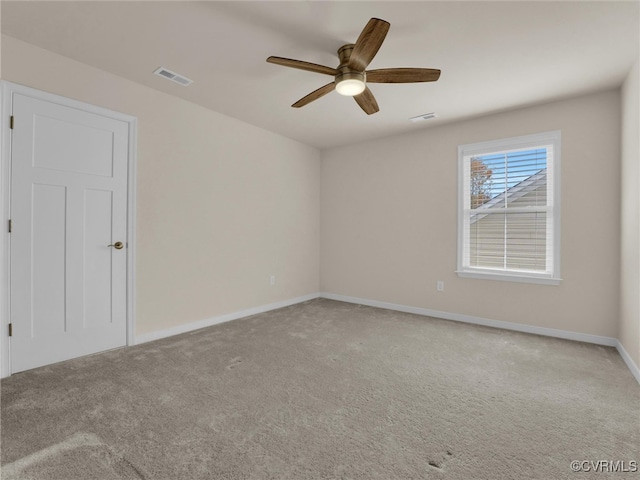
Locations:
(424, 116)
(173, 76)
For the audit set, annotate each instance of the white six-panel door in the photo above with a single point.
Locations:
(68, 283)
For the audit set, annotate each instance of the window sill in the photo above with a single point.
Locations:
(509, 277)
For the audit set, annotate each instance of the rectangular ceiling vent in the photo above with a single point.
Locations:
(424, 116)
(173, 76)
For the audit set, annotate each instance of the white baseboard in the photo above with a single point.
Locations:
(635, 371)
(548, 332)
(208, 322)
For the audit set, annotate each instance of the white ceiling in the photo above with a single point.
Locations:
(493, 55)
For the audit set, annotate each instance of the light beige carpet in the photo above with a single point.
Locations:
(325, 390)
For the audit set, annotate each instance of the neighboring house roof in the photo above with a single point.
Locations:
(519, 190)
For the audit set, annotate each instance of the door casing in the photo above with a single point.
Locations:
(6, 95)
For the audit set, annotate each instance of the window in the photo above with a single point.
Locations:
(509, 209)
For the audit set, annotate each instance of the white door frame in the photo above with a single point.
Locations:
(6, 94)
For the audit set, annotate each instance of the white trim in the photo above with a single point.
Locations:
(5, 183)
(131, 230)
(511, 144)
(6, 95)
(508, 277)
(553, 276)
(227, 317)
(635, 371)
(547, 332)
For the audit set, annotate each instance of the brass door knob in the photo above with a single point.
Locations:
(117, 245)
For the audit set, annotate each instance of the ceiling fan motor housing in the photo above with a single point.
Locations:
(344, 72)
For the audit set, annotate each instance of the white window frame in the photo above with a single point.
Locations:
(465, 152)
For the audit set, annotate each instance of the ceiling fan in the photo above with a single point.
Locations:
(351, 76)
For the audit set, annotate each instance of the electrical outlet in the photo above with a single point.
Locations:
(272, 280)
(440, 285)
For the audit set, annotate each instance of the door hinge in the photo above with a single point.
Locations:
(11, 122)
(11, 329)
(10, 225)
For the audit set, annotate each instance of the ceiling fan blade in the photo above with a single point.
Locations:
(367, 101)
(403, 75)
(368, 44)
(311, 67)
(316, 94)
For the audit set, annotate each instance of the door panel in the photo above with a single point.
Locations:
(89, 153)
(97, 258)
(68, 204)
(47, 264)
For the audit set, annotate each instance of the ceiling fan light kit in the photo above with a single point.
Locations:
(351, 84)
(350, 78)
